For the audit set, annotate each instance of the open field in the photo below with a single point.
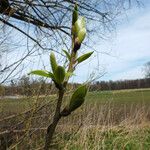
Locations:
(108, 120)
(138, 96)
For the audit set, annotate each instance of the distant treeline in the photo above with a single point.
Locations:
(28, 87)
(122, 84)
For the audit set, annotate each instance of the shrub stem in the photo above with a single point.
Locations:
(52, 126)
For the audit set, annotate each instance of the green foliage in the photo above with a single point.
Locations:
(53, 62)
(59, 74)
(76, 103)
(42, 73)
(78, 98)
(80, 92)
(84, 57)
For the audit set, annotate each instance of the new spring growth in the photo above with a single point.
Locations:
(77, 99)
(78, 29)
(75, 14)
(58, 73)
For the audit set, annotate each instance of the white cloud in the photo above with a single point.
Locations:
(133, 73)
(131, 48)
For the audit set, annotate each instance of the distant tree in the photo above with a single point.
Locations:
(147, 70)
(25, 86)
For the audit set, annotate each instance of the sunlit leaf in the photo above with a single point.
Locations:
(84, 57)
(81, 35)
(59, 74)
(42, 73)
(79, 24)
(78, 97)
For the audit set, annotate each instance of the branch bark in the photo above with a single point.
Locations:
(57, 117)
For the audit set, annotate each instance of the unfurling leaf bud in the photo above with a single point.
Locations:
(59, 74)
(79, 24)
(53, 62)
(79, 32)
(76, 103)
(81, 35)
(77, 98)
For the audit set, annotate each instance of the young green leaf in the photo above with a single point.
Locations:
(42, 73)
(79, 92)
(75, 14)
(53, 61)
(78, 97)
(84, 57)
(76, 104)
(59, 74)
(81, 35)
(67, 54)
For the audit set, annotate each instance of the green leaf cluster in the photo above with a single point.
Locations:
(58, 73)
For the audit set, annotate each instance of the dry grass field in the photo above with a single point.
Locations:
(109, 120)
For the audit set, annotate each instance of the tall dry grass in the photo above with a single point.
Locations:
(94, 126)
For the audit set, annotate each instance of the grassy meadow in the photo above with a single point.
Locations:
(109, 120)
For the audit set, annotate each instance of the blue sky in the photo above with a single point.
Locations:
(128, 50)
(124, 55)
